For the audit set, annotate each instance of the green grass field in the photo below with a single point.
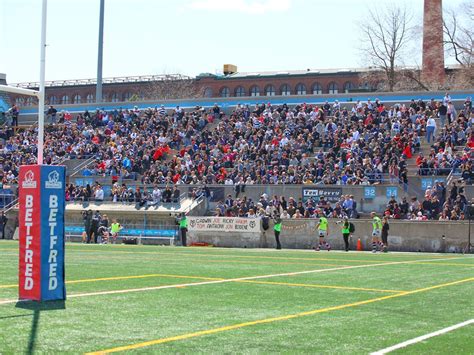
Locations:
(212, 300)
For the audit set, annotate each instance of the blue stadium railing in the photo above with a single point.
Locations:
(169, 232)
(226, 103)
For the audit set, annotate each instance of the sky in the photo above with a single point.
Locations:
(146, 37)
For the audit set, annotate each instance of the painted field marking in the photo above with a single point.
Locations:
(73, 246)
(189, 254)
(315, 263)
(115, 278)
(216, 261)
(8, 286)
(273, 319)
(447, 264)
(247, 262)
(152, 288)
(320, 286)
(432, 262)
(434, 258)
(423, 337)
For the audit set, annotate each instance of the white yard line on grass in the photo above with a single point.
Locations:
(423, 337)
(142, 289)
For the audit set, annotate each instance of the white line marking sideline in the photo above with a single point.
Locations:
(423, 337)
(229, 280)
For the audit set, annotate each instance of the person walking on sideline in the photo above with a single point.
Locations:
(277, 230)
(183, 227)
(323, 230)
(376, 230)
(385, 228)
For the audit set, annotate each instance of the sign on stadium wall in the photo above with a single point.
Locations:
(224, 224)
(331, 194)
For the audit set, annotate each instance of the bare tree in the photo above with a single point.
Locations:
(172, 87)
(459, 40)
(385, 36)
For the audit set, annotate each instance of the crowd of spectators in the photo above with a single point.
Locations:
(291, 208)
(436, 205)
(123, 142)
(367, 143)
(123, 194)
(452, 141)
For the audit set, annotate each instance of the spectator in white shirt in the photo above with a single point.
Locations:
(430, 129)
(99, 194)
(156, 195)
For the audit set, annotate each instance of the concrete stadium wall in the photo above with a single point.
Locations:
(377, 203)
(412, 236)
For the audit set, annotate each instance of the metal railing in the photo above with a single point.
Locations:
(113, 80)
(130, 230)
(85, 164)
(7, 208)
(132, 199)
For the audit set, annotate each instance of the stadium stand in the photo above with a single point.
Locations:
(365, 143)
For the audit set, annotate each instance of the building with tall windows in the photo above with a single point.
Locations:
(228, 84)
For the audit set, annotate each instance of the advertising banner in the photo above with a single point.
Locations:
(224, 224)
(41, 229)
(29, 233)
(331, 194)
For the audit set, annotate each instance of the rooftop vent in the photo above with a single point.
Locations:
(230, 69)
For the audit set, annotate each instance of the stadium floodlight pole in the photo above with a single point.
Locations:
(98, 90)
(42, 86)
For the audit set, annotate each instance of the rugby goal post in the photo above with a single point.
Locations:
(41, 209)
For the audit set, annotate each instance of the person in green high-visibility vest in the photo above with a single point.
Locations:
(323, 230)
(277, 230)
(114, 230)
(183, 228)
(346, 232)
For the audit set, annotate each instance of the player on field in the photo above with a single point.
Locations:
(323, 230)
(376, 231)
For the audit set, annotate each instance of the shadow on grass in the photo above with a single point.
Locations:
(17, 316)
(37, 308)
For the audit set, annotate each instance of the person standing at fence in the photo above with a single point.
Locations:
(323, 230)
(87, 218)
(3, 223)
(385, 229)
(114, 230)
(376, 230)
(346, 232)
(183, 228)
(277, 230)
(95, 226)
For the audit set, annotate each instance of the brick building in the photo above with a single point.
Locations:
(297, 82)
(234, 84)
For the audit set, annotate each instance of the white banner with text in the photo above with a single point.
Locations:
(224, 224)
